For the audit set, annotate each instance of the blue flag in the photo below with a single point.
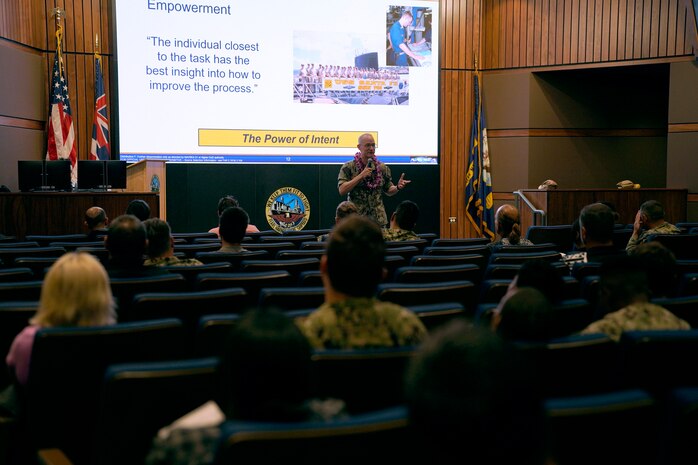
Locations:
(100, 127)
(478, 181)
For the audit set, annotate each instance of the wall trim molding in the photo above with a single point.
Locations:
(22, 123)
(577, 132)
(682, 127)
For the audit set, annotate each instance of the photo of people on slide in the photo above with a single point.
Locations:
(408, 36)
(343, 68)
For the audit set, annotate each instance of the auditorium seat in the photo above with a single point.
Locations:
(684, 246)
(404, 251)
(190, 250)
(458, 250)
(16, 245)
(604, 429)
(101, 253)
(685, 307)
(302, 253)
(580, 270)
(71, 246)
(124, 289)
(270, 247)
(8, 255)
(429, 237)
(560, 235)
(688, 284)
(191, 236)
(392, 263)
(435, 315)
(544, 247)
(310, 245)
(492, 290)
(296, 240)
(371, 437)
(212, 332)
(291, 298)
(67, 370)
(621, 238)
(20, 291)
(140, 398)
(306, 232)
(430, 274)
(38, 265)
(45, 240)
(445, 260)
(310, 278)
(16, 274)
(470, 241)
(190, 273)
(366, 379)
(463, 292)
(293, 266)
(252, 282)
(233, 258)
(419, 243)
(522, 257)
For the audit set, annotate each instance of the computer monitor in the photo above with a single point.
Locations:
(116, 174)
(90, 174)
(30, 175)
(58, 175)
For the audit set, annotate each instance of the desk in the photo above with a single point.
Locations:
(53, 213)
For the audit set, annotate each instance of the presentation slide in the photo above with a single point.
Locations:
(277, 81)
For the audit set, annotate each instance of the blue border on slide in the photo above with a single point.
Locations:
(201, 158)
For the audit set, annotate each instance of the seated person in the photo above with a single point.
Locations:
(75, 292)
(138, 208)
(96, 223)
(227, 202)
(344, 209)
(233, 223)
(649, 220)
(596, 228)
(126, 242)
(507, 227)
(276, 387)
(525, 315)
(161, 245)
(660, 265)
(351, 316)
(472, 400)
(402, 223)
(624, 301)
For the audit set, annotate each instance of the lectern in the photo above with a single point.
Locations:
(149, 176)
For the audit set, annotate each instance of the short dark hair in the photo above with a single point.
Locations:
(227, 201)
(526, 316)
(95, 216)
(597, 220)
(274, 356)
(126, 240)
(653, 210)
(472, 399)
(138, 208)
(355, 256)
(159, 234)
(660, 265)
(622, 280)
(233, 224)
(407, 214)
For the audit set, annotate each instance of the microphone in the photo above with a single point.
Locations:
(371, 164)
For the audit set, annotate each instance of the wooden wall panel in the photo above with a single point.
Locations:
(575, 32)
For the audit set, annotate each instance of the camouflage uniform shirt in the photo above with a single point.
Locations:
(393, 235)
(172, 261)
(368, 201)
(666, 228)
(359, 323)
(636, 317)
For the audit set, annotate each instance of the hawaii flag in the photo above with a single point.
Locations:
(100, 126)
(61, 134)
(478, 188)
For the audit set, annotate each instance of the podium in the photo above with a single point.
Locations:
(149, 176)
(562, 206)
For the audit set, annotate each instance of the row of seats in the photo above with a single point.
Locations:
(74, 405)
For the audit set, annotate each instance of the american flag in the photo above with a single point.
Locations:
(61, 134)
(100, 126)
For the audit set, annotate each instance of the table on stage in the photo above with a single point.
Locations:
(53, 213)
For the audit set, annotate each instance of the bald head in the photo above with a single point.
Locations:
(95, 218)
(367, 146)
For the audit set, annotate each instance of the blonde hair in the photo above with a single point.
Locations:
(75, 292)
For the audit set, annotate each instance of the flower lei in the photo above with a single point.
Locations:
(374, 181)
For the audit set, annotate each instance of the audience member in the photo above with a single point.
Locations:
(351, 316)
(612, 206)
(507, 228)
(596, 226)
(138, 208)
(525, 314)
(344, 209)
(126, 242)
(541, 275)
(227, 202)
(233, 223)
(96, 223)
(471, 399)
(75, 292)
(274, 356)
(660, 265)
(624, 301)
(161, 245)
(649, 220)
(402, 222)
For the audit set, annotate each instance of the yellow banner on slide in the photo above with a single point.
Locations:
(263, 138)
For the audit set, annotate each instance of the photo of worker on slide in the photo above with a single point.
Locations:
(408, 36)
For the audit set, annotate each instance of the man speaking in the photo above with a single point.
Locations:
(365, 179)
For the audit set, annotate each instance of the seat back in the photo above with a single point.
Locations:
(293, 266)
(292, 298)
(431, 274)
(190, 273)
(124, 289)
(604, 428)
(9, 254)
(38, 265)
(212, 333)
(685, 308)
(20, 291)
(463, 292)
(233, 258)
(544, 247)
(469, 241)
(140, 398)
(445, 260)
(435, 315)
(522, 257)
(374, 437)
(270, 246)
(419, 243)
(16, 274)
(45, 240)
(560, 235)
(66, 373)
(366, 379)
(684, 246)
(252, 282)
(302, 253)
(190, 237)
(190, 250)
